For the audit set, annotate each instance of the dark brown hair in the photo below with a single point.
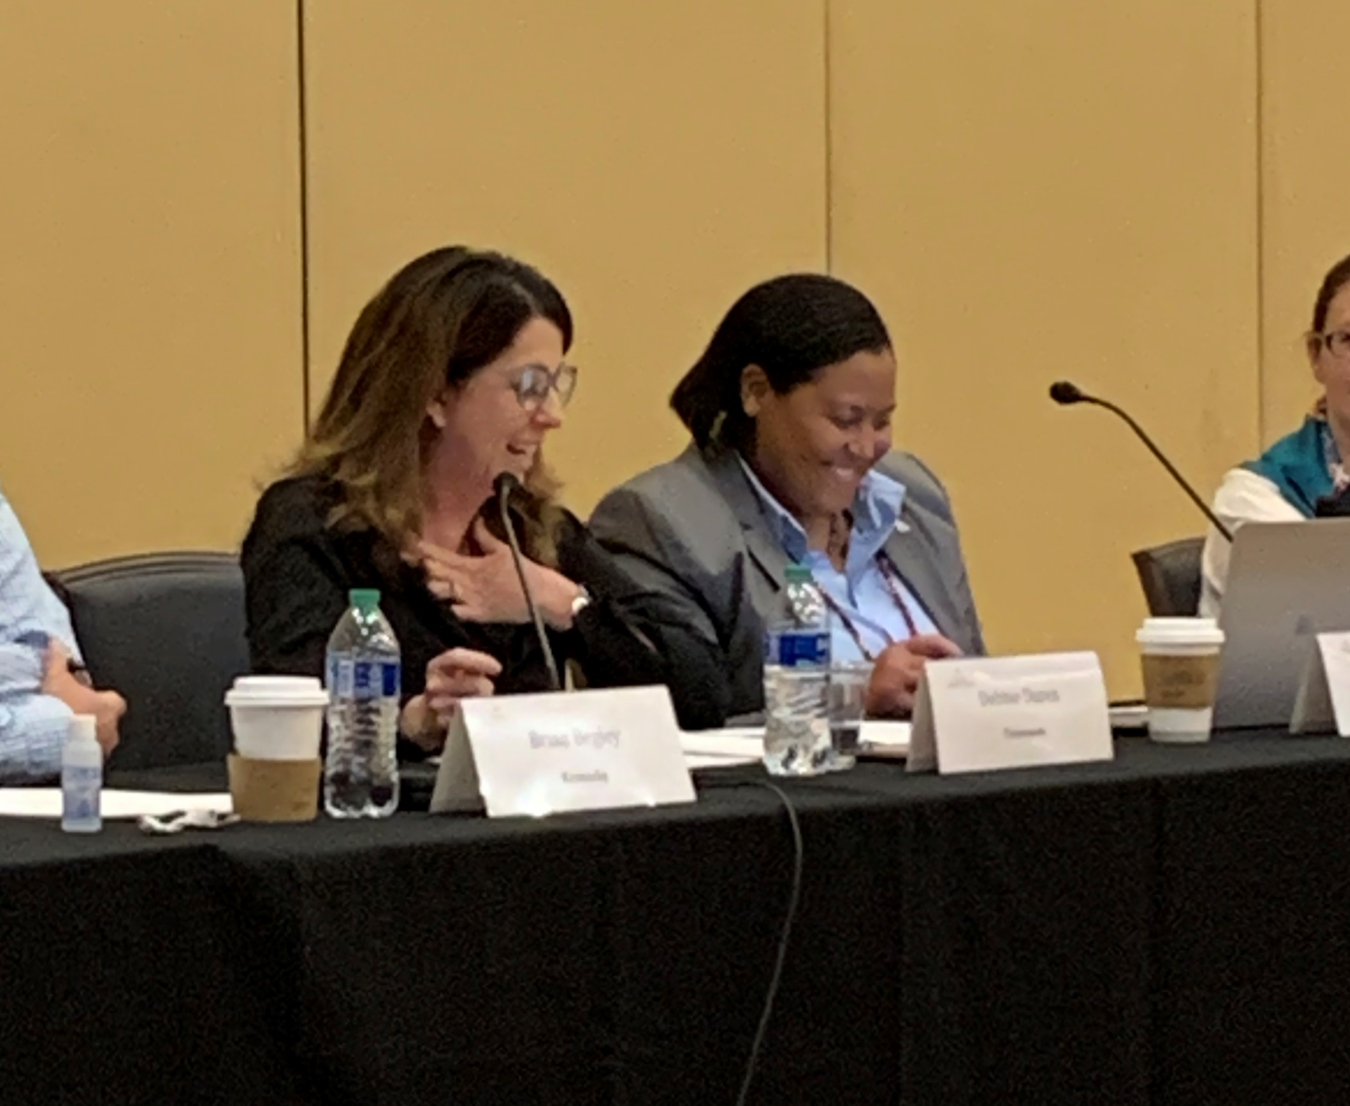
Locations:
(1336, 279)
(791, 327)
(438, 321)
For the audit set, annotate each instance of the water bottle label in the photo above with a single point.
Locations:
(80, 793)
(789, 649)
(353, 679)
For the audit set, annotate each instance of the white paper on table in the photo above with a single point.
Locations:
(45, 802)
(745, 744)
(1127, 716)
(891, 737)
(740, 745)
(698, 760)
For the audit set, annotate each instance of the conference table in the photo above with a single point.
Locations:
(1169, 927)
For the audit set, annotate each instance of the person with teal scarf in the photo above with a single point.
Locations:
(1304, 466)
(1286, 482)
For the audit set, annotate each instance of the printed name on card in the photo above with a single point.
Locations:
(557, 751)
(981, 713)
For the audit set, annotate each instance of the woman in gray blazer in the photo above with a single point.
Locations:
(790, 410)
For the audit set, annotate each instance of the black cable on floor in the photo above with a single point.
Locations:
(790, 916)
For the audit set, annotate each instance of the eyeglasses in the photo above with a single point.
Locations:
(536, 382)
(1335, 342)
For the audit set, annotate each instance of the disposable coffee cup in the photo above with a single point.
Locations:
(277, 722)
(1180, 658)
(277, 717)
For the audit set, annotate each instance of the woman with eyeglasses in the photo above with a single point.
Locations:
(454, 374)
(1306, 470)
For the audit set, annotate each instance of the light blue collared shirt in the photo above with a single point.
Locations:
(32, 725)
(860, 590)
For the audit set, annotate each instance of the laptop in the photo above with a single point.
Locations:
(1287, 581)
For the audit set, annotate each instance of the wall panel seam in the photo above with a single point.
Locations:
(304, 214)
(1260, 235)
(829, 143)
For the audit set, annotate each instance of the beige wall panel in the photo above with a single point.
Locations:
(654, 159)
(1305, 211)
(150, 279)
(1056, 189)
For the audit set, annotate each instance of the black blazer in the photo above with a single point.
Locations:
(298, 570)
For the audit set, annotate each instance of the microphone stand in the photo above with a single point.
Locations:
(505, 484)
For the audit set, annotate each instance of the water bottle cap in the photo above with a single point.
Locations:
(799, 574)
(83, 727)
(364, 599)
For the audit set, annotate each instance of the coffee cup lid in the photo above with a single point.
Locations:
(276, 691)
(1179, 631)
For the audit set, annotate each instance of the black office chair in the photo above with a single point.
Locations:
(1170, 576)
(166, 630)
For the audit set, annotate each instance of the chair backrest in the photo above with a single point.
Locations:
(1170, 576)
(166, 630)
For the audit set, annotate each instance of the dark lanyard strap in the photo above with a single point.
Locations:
(891, 575)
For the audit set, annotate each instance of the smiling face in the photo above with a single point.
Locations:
(814, 444)
(492, 424)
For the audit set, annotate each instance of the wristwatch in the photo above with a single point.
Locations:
(581, 601)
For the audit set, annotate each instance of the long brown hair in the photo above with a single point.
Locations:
(438, 321)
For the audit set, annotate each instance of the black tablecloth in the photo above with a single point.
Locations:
(1167, 928)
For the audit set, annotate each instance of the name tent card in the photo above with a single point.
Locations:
(557, 751)
(1323, 701)
(981, 713)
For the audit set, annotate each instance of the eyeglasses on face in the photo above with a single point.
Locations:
(535, 382)
(1335, 342)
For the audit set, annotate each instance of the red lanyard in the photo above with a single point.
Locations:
(891, 575)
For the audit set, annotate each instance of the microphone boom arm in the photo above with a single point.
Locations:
(1158, 453)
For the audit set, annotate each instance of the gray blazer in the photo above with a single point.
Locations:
(695, 530)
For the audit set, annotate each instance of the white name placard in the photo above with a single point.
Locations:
(981, 713)
(574, 750)
(1323, 701)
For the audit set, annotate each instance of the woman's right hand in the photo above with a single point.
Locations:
(486, 587)
(897, 672)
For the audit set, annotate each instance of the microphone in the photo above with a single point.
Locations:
(503, 486)
(1065, 393)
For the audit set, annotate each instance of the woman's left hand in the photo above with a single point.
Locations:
(487, 588)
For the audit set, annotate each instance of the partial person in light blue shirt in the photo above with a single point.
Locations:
(41, 687)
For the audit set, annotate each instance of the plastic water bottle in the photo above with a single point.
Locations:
(360, 776)
(82, 777)
(797, 682)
